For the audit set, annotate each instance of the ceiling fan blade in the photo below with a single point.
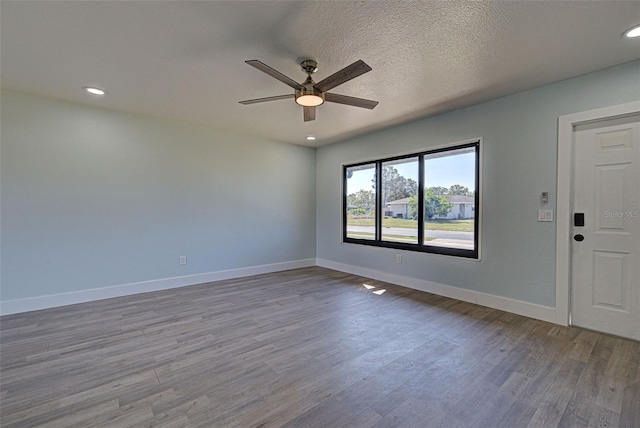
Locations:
(274, 73)
(350, 101)
(338, 78)
(309, 113)
(262, 100)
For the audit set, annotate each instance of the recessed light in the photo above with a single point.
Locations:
(95, 91)
(633, 32)
(310, 137)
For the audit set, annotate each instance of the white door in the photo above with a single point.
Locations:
(605, 270)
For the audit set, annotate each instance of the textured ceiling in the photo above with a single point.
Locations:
(184, 60)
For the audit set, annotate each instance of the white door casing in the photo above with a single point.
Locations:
(605, 266)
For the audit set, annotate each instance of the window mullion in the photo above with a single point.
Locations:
(379, 201)
(420, 207)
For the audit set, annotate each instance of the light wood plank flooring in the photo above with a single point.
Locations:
(308, 348)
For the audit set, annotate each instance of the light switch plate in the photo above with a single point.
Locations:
(545, 215)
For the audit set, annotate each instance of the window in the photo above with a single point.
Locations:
(425, 201)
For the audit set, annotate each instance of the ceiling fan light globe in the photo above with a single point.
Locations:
(309, 100)
(633, 32)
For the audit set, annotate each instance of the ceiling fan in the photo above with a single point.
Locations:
(310, 94)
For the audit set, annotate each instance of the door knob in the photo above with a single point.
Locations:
(579, 238)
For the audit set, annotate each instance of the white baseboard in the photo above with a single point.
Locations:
(519, 307)
(531, 310)
(63, 299)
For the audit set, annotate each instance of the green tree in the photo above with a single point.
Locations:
(413, 206)
(439, 190)
(361, 202)
(434, 204)
(395, 186)
(458, 189)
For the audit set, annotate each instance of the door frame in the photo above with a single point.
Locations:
(564, 194)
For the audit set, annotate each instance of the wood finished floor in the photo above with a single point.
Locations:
(308, 348)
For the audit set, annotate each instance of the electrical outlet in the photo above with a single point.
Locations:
(399, 258)
(183, 260)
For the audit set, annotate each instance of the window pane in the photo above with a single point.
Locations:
(400, 200)
(449, 198)
(361, 201)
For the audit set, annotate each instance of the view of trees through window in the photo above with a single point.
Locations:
(399, 200)
(448, 213)
(449, 198)
(361, 202)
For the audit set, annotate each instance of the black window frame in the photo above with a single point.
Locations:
(420, 246)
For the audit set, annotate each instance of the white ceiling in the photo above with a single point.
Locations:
(184, 60)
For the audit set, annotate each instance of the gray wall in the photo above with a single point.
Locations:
(94, 198)
(519, 162)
